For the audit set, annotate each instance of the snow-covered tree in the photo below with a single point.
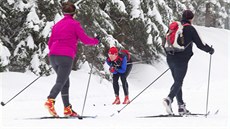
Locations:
(136, 25)
(24, 27)
(4, 58)
(210, 13)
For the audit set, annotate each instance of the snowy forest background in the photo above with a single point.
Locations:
(136, 25)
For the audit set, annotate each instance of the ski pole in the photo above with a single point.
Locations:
(87, 89)
(3, 104)
(210, 61)
(86, 93)
(141, 92)
(137, 62)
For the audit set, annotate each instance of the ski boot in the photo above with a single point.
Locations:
(49, 104)
(117, 100)
(69, 112)
(182, 110)
(167, 103)
(126, 100)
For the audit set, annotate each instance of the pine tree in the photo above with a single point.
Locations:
(140, 27)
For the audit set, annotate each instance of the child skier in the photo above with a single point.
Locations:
(120, 68)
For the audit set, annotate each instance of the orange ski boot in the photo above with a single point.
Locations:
(126, 100)
(117, 100)
(49, 104)
(69, 112)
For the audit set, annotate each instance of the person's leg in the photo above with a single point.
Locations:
(65, 94)
(125, 88)
(179, 97)
(124, 76)
(124, 84)
(128, 70)
(179, 71)
(115, 84)
(116, 88)
(68, 111)
(62, 66)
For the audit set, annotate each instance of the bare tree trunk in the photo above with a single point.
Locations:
(210, 20)
(227, 23)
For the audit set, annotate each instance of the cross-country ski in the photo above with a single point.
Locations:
(60, 117)
(175, 115)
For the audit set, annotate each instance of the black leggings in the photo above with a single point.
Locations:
(62, 66)
(178, 70)
(124, 82)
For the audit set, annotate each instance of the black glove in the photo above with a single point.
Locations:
(98, 38)
(211, 51)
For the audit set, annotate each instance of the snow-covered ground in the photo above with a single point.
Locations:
(30, 103)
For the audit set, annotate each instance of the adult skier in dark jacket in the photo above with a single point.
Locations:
(178, 63)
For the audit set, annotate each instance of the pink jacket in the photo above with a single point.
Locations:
(65, 35)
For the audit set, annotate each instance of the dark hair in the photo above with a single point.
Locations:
(68, 7)
(187, 15)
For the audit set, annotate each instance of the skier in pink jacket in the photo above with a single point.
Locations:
(63, 48)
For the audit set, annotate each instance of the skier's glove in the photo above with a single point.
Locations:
(112, 69)
(211, 51)
(98, 38)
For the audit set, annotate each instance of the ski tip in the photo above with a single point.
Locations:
(207, 114)
(112, 115)
(217, 111)
(80, 117)
(115, 113)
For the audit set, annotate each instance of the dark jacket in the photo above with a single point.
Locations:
(190, 36)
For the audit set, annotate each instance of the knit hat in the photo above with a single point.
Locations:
(187, 14)
(113, 50)
(68, 8)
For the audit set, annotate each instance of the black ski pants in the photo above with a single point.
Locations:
(124, 82)
(62, 66)
(178, 69)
